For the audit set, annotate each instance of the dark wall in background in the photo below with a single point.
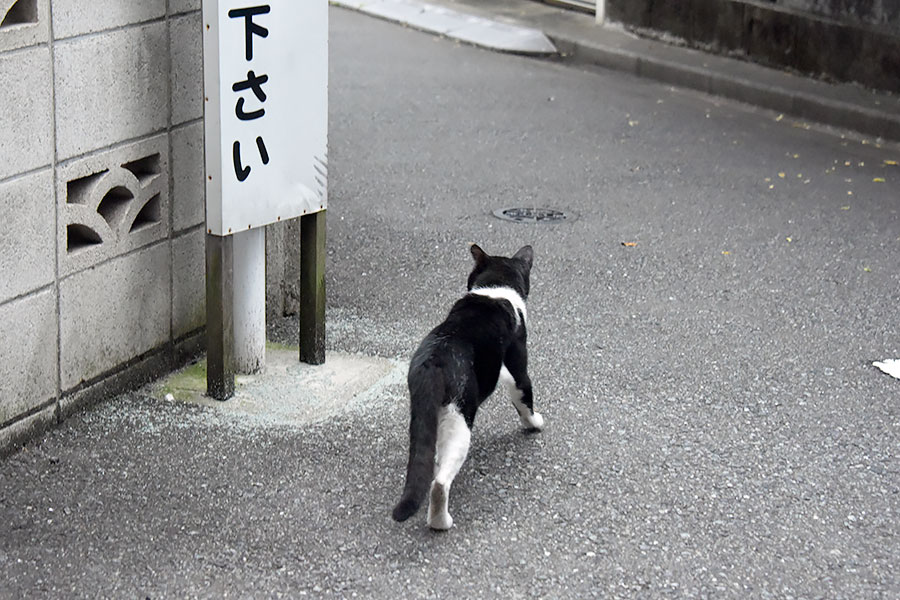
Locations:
(842, 40)
(880, 13)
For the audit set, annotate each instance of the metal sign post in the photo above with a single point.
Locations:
(266, 121)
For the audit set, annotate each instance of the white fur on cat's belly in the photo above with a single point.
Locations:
(451, 450)
(530, 419)
(508, 294)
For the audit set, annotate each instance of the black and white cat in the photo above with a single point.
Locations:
(455, 368)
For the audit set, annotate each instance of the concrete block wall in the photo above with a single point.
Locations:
(101, 200)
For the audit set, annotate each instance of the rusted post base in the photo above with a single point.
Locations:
(219, 317)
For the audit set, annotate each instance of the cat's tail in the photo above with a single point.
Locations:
(426, 391)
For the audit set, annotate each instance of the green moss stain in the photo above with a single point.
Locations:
(187, 382)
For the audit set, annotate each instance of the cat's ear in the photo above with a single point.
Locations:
(526, 255)
(478, 254)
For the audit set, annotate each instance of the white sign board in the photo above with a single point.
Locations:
(266, 111)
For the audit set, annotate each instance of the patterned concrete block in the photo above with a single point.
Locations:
(28, 372)
(112, 85)
(26, 131)
(24, 23)
(76, 17)
(113, 313)
(111, 203)
(27, 254)
(188, 191)
(189, 282)
(180, 6)
(186, 39)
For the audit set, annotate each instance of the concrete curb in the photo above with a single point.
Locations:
(475, 30)
(818, 105)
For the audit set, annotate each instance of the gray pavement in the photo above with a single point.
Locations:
(581, 41)
(715, 428)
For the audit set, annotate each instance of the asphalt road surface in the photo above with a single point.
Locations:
(701, 333)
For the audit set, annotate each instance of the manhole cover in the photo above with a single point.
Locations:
(532, 215)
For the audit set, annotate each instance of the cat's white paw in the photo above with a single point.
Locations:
(441, 521)
(534, 421)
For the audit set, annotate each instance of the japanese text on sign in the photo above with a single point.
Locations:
(254, 83)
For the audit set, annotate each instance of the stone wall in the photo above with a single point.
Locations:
(843, 40)
(101, 200)
(877, 13)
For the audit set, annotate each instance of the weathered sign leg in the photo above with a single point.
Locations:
(312, 288)
(249, 307)
(219, 317)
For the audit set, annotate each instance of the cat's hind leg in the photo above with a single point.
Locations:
(453, 441)
(514, 376)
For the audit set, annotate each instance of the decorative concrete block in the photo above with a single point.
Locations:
(111, 203)
(180, 6)
(188, 191)
(189, 282)
(113, 313)
(27, 253)
(24, 23)
(26, 130)
(112, 85)
(186, 39)
(28, 372)
(76, 17)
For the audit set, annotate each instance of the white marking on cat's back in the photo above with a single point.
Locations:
(508, 294)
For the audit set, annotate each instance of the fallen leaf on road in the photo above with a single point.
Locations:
(878, 180)
(890, 162)
(781, 175)
(726, 252)
(629, 244)
(789, 240)
(779, 118)
(845, 208)
(867, 269)
(890, 366)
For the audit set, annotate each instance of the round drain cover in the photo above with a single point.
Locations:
(532, 215)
